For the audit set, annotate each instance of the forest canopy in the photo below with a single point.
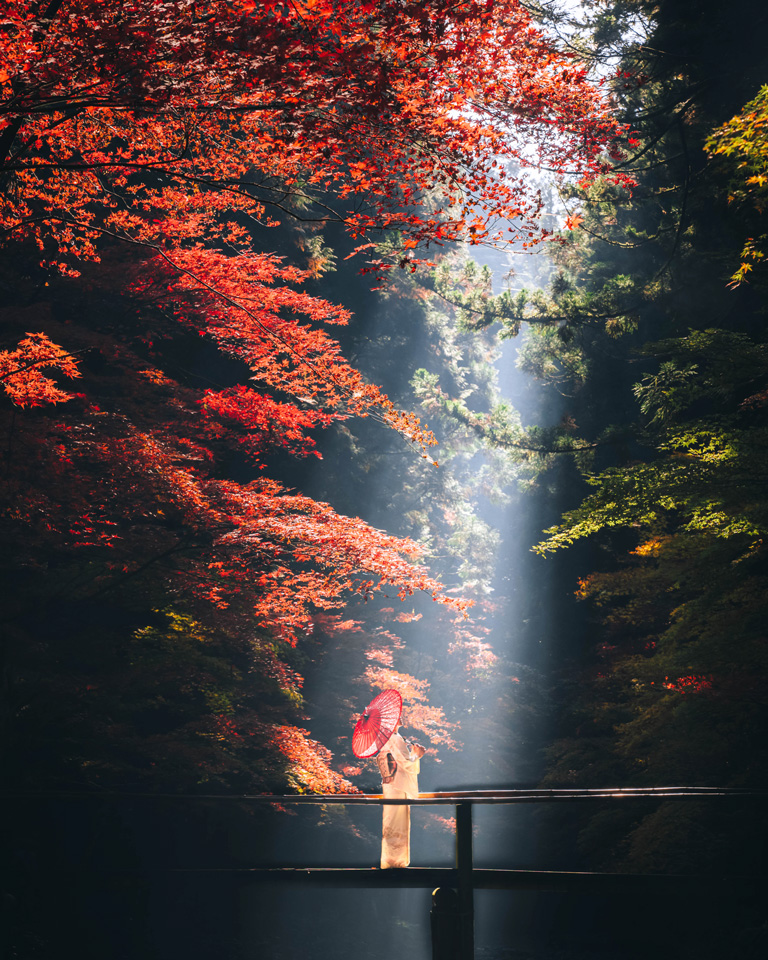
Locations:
(257, 461)
(161, 359)
(653, 330)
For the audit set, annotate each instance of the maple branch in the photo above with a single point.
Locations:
(11, 131)
(56, 105)
(228, 185)
(46, 362)
(160, 167)
(156, 166)
(270, 334)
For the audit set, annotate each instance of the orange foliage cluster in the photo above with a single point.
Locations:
(310, 759)
(447, 824)
(100, 480)
(381, 654)
(651, 548)
(112, 111)
(478, 655)
(349, 771)
(249, 307)
(689, 684)
(21, 376)
(417, 713)
(573, 222)
(470, 643)
(406, 617)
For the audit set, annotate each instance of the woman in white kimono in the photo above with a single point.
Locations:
(399, 766)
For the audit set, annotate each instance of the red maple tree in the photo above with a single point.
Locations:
(161, 120)
(183, 130)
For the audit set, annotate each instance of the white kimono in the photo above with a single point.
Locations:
(396, 820)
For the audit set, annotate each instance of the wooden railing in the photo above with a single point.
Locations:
(452, 914)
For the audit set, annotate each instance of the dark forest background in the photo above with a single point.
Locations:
(601, 496)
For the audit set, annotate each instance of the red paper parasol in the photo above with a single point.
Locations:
(377, 723)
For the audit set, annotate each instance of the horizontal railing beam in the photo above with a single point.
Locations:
(438, 798)
(552, 881)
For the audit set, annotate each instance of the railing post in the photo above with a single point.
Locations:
(464, 870)
(444, 923)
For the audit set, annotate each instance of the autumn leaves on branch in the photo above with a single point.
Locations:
(182, 131)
